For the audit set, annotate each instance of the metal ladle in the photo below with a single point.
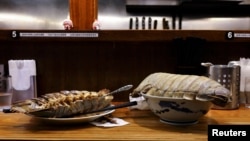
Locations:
(124, 88)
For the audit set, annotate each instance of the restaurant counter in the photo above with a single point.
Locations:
(143, 125)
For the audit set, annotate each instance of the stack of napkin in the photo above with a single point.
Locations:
(245, 72)
(23, 79)
(20, 72)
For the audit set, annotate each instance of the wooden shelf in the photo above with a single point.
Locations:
(124, 35)
(118, 57)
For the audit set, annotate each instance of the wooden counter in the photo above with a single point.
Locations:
(143, 125)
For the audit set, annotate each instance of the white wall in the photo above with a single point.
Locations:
(33, 14)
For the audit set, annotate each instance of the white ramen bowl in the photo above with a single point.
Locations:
(177, 111)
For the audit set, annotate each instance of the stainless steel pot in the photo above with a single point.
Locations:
(229, 77)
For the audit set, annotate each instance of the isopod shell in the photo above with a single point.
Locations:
(190, 87)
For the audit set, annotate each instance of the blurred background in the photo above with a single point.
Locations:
(116, 14)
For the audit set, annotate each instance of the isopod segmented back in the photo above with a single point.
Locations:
(190, 87)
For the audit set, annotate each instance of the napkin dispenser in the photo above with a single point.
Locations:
(23, 75)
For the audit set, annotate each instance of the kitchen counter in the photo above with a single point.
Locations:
(143, 125)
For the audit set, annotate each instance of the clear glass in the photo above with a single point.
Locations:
(247, 92)
(6, 92)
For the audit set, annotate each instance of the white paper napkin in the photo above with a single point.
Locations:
(20, 72)
(245, 69)
(118, 122)
(141, 103)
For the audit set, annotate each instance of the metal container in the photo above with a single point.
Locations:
(229, 77)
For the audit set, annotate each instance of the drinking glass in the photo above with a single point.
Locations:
(247, 92)
(5, 92)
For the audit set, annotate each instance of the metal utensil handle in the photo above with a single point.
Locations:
(124, 88)
(207, 64)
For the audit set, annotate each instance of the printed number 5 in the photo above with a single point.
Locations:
(14, 34)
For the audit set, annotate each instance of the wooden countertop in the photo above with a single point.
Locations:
(143, 125)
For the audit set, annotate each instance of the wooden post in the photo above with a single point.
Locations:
(83, 13)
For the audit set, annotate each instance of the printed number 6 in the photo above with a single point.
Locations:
(230, 35)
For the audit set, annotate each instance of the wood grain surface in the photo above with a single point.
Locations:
(143, 125)
(118, 58)
(83, 13)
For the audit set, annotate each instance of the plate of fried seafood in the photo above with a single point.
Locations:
(69, 106)
(74, 119)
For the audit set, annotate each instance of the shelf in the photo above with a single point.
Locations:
(193, 10)
(214, 10)
(123, 35)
